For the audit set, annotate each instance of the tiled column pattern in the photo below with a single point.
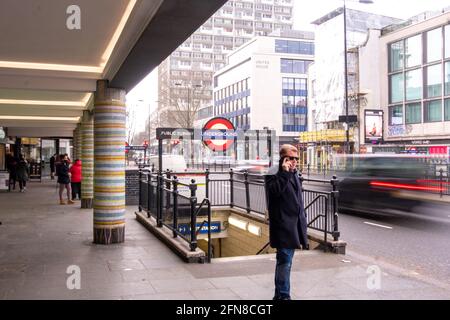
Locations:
(87, 160)
(74, 144)
(78, 138)
(109, 164)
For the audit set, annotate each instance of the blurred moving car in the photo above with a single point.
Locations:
(384, 183)
(255, 168)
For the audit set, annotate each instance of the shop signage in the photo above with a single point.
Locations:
(331, 135)
(438, 150)
(420, 142)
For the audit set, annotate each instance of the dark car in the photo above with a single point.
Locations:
(381, 183)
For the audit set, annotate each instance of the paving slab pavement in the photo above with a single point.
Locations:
(40, 239)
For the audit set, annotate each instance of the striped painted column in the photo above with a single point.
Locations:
(79, 142)
(74, 144)
(87, 160)
(109, 164)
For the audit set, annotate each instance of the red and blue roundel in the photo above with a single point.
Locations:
(218, 123)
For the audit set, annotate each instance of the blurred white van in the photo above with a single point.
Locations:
(173, 162)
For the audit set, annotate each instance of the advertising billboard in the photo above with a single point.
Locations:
(373, 126)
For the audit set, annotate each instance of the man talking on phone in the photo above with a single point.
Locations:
(287, 218)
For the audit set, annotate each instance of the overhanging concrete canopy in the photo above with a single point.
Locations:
(48, 71)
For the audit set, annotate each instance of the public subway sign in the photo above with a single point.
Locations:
(218, 134)
(185, 228)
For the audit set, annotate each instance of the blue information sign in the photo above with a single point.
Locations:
(185, 228)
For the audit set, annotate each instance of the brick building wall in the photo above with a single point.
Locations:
(131, 187)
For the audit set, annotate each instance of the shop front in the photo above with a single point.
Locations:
(432, 147)
(323, 146)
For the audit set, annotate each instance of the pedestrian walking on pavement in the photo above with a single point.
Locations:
(75, 179)
(11, 164)
(52, 166)
(22, 173)
(63, 173)
(287, 218)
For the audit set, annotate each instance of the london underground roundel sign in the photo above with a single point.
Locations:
(222, 124)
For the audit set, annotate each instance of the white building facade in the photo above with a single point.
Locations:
(264, 85)
(327, 135)
(415, 90)
(185, 77)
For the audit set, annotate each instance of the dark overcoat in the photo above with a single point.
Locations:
(287, 218)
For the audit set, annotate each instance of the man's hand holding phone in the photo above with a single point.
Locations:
(286, 164)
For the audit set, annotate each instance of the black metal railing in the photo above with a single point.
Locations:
(248, 192)
(237, 190)
(437, 179)
(160, 197)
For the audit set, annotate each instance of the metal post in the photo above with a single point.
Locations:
(193, 201)
(207, 183)
(441, 176)
(247, 191)
(159, 202)
(334, 196)
(159, 186)
(209, 232)
(347, 134)
(309, 168)
(149, 193)
(140, 190)
(231, 189)
(175, 205)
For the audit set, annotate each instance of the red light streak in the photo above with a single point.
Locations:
(404, 186)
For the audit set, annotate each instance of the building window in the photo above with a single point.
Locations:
(447, 109)
(294, 104)
(396, 56)
(413, 84)
(294, 66)
(413, 51)
(434, 45)
(396, 115)
(397, 87)
(413, 113)
(447, 78)
(433, 111)
(447, 40)
(434, 81)
(290, 46)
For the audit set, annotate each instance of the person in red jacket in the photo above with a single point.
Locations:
(75, 181)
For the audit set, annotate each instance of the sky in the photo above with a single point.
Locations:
(305, 11)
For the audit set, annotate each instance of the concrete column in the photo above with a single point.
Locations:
(109, 164)
(87, 160)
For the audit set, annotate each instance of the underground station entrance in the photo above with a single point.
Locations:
(210, 211)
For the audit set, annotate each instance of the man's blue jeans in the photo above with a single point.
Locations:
(283, 273)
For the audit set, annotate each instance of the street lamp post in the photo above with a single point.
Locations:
(347, 132)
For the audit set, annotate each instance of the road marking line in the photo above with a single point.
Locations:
(377, 225)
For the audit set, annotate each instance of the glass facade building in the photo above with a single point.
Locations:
(294, 104)
(419, 77)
